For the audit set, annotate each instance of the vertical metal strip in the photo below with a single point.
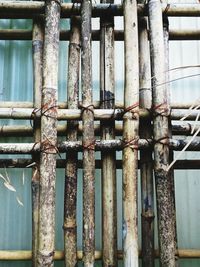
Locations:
(69, 227)
(130, 134)
(161, 113)
(107, 100)
(49, 135)
(147, 195)
(88, 137)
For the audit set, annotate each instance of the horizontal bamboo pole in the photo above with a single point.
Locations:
(21, 34)
(24, 130)
(99, 114)
(63, 105)
(26, 9)
(23, 163)
(24, 255)
(63, 147)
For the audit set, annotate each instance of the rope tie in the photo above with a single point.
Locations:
(87, 108)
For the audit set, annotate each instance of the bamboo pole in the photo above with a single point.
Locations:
(130, 134)
(107, 95)
(174, 34)
(171, 153)
(70, 231)
(88, 137)
(147, 198)
(26, 9)
(37, 72)
(25, 255)
(48, 135)
(161, 132)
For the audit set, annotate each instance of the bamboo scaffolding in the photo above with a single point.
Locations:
(37, 62)
(107, 95)
(171, 153)
(161, 132)
(147, 197)
(48, 151)
(130, 135)
(88, 137)
(174, 34)
(70, 230)
(26, 9)
(25, 255)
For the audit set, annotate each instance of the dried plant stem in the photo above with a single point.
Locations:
(147, 198)
(88, 137)
(70, 230)
(161, 132)
(37, 63)
(107, 94)
(130, 134)
(48, 135)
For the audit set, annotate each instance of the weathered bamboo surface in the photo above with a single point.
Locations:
(48, 150)
(107, 98)
(88, 137)
(37, 43)
(130, 134)
(147, 196)
(26, 9)
(160, 104)
(69, 226)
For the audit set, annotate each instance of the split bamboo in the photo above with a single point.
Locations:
(147, 198)
(88, 137)
(48, 135)
(130, 134)
(70, 231)
(161, 135)
(37, 76)
(107, 96)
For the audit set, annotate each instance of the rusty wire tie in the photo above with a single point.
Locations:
(87, 108)
(161, 110)
(159, 141)
(46, 255)
(90, 146)
(132, 110)
(133, 143)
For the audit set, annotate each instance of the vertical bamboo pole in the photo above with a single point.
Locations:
(171, 153)
(147, 198)
(161, 136)
(88, 137)
(37, 77)
(130, 134)
(107, 96)
(70, 234)
(49, 135)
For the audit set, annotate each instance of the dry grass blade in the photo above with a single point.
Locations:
(19, 201)
(1, 176)
(23, 178)
(9, 186)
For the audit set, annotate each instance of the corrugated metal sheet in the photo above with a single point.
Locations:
(16, 84)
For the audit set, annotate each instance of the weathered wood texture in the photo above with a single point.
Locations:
(48, 135)
(161, 136)
(130, 134)
(37, 45)
(88, 137)
(147, 196)
(70, 230)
